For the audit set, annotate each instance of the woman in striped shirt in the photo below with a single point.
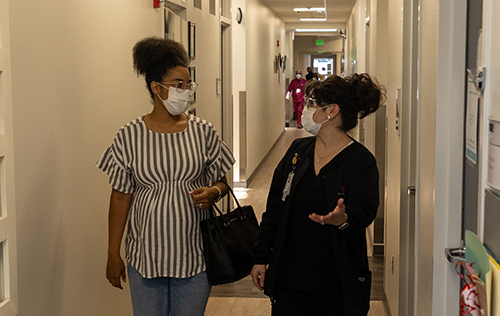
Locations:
(165, 169)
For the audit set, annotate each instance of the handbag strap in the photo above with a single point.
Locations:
(239, 210)
(214, 206)
(232, 193)
(234, 197)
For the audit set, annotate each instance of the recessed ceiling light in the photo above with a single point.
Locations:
(315, 30)
(308, 9)
(313, 19)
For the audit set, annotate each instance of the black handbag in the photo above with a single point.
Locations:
(228, 241)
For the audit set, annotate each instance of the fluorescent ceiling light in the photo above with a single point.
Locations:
(315, 30)
(313, 19)
(308, 9)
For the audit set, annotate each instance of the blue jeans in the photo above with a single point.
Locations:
(168, 296)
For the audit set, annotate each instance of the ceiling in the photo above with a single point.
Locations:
(337, 11)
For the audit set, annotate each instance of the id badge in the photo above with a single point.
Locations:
(288, 185)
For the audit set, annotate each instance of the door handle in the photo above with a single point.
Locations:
(455, 255)
(412, 190)
(478, 80)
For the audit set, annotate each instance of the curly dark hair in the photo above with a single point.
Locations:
(357, 95)
(310, 86)
(155, 57)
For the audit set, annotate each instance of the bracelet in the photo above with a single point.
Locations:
(219, 196)
(345, 224)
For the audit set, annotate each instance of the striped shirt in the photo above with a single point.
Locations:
(163, 237)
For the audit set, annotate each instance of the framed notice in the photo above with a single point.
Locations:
(471, 122)
(192, 40)
(192, 73)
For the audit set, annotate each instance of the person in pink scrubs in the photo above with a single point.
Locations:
(296, 88)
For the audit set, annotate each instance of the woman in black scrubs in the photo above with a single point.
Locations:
(310, 258)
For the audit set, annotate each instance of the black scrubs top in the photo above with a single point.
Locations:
(308, 263)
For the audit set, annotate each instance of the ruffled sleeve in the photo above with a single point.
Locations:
(112, 162)
(220, 159)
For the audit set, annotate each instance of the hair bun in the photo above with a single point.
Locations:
(365, 93)
(153, 50)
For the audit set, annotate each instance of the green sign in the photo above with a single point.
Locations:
(319, 42)
(321, 52)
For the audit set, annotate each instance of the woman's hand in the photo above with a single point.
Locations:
(258, 274)
(115, 271)
(336, 217)
(203, 197)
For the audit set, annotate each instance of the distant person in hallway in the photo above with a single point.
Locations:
(311, 255)
(165, 169)
(311, 74)
(324, 74)
(296, 89)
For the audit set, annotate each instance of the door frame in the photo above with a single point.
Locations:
(439, 153)
(409, 125)
(8, 242)
(227, 101)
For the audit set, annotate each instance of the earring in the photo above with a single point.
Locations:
(328, 116)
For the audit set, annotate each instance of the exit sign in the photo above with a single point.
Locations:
(319, 42)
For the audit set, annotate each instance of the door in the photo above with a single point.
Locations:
(480, 202)
(481, 195)
(472, 107)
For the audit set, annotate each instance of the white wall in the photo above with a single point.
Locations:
(355, 53)
(393, 74)
(353, 40)
(207, 62)
(73, 88)
(265, 103)
(306, 45)
(238, 48)
(255, 47)
(491, 57)
(290, 53)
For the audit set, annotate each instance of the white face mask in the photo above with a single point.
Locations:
(298, 76)
(177, 102)
(308, 122)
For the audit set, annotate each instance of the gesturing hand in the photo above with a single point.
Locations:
(336, 217)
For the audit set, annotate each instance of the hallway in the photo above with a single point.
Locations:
(67, 85)
(242, 298)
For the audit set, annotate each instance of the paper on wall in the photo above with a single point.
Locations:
(471, 122)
